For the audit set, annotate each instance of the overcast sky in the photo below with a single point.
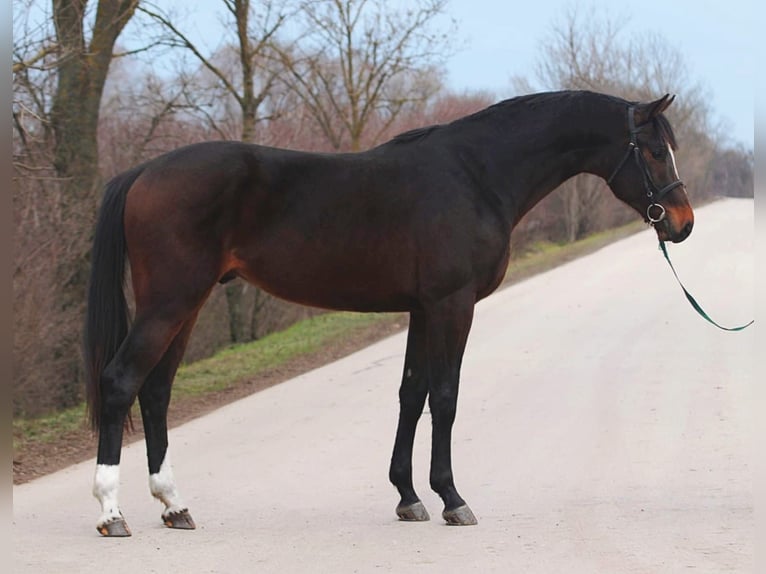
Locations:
(716, 39)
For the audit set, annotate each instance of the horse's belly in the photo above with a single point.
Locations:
(316, 278)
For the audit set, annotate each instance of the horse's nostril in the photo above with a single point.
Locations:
(686, 231)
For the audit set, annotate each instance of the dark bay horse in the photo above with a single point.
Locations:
(419, 224)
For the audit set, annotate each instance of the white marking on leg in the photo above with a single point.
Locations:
(163, 487)
(106, 485)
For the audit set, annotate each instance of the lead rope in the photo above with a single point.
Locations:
(693, 301)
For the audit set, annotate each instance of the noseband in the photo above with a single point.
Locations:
(654, 193)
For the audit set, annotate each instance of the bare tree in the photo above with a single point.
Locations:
(732, 172)
(34, 82)
(583, 52)
(81, 72)
(256, 28)
(359, 63)
(81, 69)
(145, 114)
(61, 57)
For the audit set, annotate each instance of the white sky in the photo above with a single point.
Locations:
(499, 39)
(715, 38)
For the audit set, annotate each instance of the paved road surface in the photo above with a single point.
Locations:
(602, 428)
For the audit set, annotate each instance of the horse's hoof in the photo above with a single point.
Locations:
(180, 519)
(460, 516)
(414, 512)
(117, 527)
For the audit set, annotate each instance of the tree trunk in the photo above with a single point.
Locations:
(571, 209)
(235, 303)
(81, 74)
(239, 323)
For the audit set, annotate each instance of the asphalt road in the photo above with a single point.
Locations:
(602, 427)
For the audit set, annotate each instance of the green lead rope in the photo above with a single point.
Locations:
(692, 300)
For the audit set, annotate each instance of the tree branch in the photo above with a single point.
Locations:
(188, 44)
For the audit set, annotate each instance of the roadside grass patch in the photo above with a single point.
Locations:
(247, 360)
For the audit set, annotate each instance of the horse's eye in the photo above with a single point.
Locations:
(659, 154)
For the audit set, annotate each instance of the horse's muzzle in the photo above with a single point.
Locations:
(686, 230)
(667, 231)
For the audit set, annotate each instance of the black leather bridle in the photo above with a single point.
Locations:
(653, 192)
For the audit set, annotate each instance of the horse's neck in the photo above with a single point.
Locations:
(541, 152)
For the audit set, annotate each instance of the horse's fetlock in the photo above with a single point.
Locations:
(441, 480)
(399, 474)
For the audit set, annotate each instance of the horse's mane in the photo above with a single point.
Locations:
(422, 132)
(527, 102)
(532, 101)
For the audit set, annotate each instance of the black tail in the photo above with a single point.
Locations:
(107, 320)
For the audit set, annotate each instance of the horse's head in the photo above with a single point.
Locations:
(646, 177)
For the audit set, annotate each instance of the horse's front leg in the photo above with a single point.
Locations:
(447, 326)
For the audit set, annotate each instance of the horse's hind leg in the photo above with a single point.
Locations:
(154, 398)
(121, 381)
(412, 398)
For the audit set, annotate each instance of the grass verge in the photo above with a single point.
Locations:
(248, 360)
(545, 255)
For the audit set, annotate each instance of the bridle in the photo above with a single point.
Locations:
(653, 192)
(655, 195)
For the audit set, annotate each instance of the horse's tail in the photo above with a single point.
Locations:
(107, 319)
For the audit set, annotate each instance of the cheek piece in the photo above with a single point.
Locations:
(655, 212)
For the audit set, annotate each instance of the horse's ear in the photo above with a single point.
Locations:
(645, 112)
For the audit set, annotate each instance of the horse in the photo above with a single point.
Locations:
(420, 224)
